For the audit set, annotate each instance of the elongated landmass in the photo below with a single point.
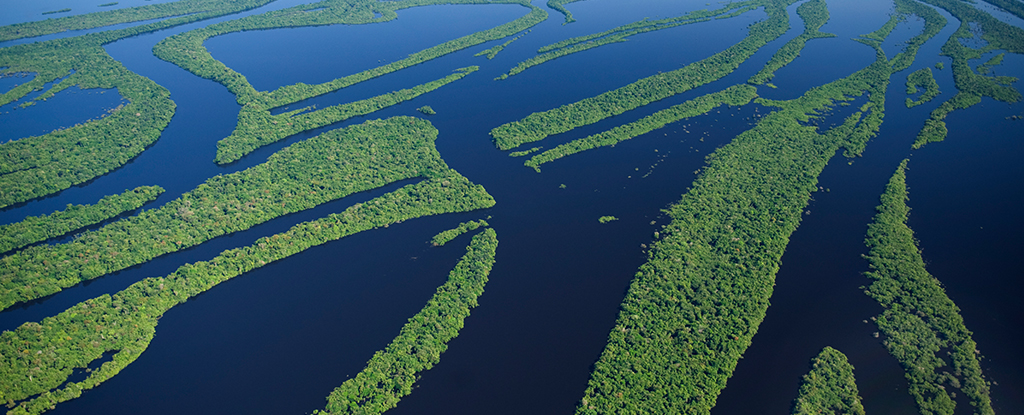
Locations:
(920, 322)
(972, 87)
(539, 125)
(694, 306)
(449, 235)
(33, 167)
(187, 51)
(829, 388)
(622, 33)
(921, 78)
(559, 5)
(36, 359)
(814, 13)
(330, 166)
(391, 373)
(734, 96)
(260, 128)
(492, 52)
(40, 228)
(127, 15)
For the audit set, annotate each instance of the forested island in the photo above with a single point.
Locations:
(80, 301)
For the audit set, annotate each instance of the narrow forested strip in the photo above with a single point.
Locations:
(33, 167)
(735, 96)
(450, 234)
(814, 13)
(920, 322)
(971, 86)
(622, 33)
(127, 15)
(559, 5)
(37, 358)
(922, 78)
(257, 128)
(187, 51)
(539, 125)
(492, 52)
(829, 388)
(694, 306)
(324, 168)
(40, 228)
(391, 373)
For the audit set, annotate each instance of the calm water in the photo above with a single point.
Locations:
(279, 339)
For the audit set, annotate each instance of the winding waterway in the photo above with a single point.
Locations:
(280, 338)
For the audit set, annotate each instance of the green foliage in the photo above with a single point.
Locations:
(920, 322)
(940, 66)
(735, 96)
(694, 306)
(539, 125)
(829, 388)
(448, 235)
(558, 5)
(258, 128)
(40, 228)
(426, 110)
(33, 167)
(986, 67)
(56, 11)
(492, 52)
(606, 219)
(113, 3)
(330, 166)
(921, 78)
(814, 14)
(622, 33)
(391, 373)
(127, 15)
(971, 86)
(524, 152)
(187, 51)
(37, 358)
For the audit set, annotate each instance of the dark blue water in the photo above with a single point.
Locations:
(279, 339)
(45, 116)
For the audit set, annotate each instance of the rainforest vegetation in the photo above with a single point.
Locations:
(971, 86)
(33, 167)
(622, 33)
(921, 78)
(735, 96)
(829, 388)
(539, 125)
(258, 128)
(187, 51)
(814, 14)
(694, 306)
(391, 373)
(449, 235)
(920, 322)
(330, 166)
(37, 358)
(40, 228)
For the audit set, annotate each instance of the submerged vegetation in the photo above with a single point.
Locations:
(921, 78)
(920, 322)
(391, 373)
(829, 388)
(40, 228)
